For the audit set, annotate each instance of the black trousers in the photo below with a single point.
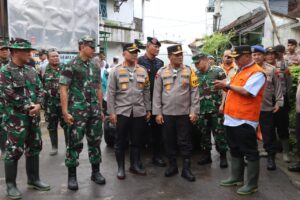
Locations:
(267, 126)
(298, 131)
(282, 120)
(176, 132)
(242, 142)
(132, 126)
(156, 136)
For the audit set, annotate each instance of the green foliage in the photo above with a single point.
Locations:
(295, 72)
(216, 43)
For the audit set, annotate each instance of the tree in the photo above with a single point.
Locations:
(216, 43)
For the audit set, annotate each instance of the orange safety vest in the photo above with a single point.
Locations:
(244, 107)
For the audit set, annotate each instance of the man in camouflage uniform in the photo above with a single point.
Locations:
(81, 98)
(129, 107)
(272, 101)
(210, 119)
(4, 59)
(53, 114)
(176, 106)
(23, 95)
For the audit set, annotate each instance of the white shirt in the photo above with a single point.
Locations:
(253, 86)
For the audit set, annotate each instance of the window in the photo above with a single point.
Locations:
(103, 8)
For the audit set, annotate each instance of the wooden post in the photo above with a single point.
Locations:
(267, 6)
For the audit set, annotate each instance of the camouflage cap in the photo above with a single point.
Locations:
(3, 44)
(198, 57)
(211, 57)
(88, 40)
(20, 43)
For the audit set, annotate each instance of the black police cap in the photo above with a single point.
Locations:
(240, 50)
(175, 49)
(131, 47)
(154, 41)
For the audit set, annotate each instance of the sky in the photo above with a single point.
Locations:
(177, 20)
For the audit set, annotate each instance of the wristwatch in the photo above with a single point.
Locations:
(227, 85)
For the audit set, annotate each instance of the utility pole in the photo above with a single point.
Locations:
(267, 6)
(217, 15)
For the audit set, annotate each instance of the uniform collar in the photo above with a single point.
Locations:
(80, 61)
(246, 66)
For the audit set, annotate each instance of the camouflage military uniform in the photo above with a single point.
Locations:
(3, 135)
(21, 87)
(53, 113)
(209, 118)
(83, 79)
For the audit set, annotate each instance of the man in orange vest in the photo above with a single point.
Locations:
(241, 116)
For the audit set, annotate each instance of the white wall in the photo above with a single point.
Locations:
(125, 15)
(232, 9)
(114, 49)
(285, 32)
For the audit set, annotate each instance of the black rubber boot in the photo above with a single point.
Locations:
(136, 166)
(294, 167)
(72, 178)
(96, 175)
(120, 157)
(271, 165)
(172, 169)
(186, 170)
(205, 158)
(11, 168)
(3, 138)
(33, 174)
(54, 143)
(223, 160)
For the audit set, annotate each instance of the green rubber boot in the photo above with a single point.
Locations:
(252, 179)
(11, 168)
(237, 173)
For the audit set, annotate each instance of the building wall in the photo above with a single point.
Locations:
(124, 16)
(232, 9)
(130, 12)
(285, 32)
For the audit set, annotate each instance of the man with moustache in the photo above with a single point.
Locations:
(152, 65)
(129, 107)
(210, 118)
(228, 65)
(81, 102)
(22, 92)
(176, 106)
(241, 116)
